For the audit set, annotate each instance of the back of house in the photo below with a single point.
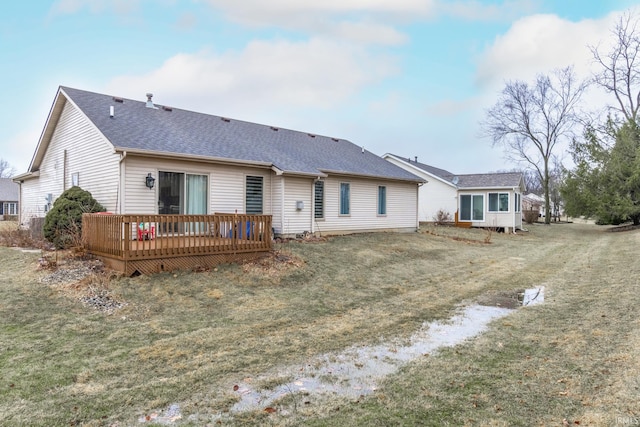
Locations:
(139, 157)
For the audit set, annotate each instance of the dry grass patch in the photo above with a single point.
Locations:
(188, 337)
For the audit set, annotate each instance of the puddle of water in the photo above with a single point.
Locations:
(169, 416)
(357, 371)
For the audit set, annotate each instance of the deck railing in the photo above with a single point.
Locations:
(131, 237)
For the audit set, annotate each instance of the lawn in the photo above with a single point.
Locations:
(116, 351)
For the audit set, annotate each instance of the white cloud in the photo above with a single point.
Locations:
(364, 21)
(538, 44)
(66, 7)
(272, 75)
(476, 10)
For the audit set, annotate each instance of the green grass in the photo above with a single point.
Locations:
(187, 338)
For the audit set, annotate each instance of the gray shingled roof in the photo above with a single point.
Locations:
(490, 180)
(187, 133)
(9, 190)
(480, 180)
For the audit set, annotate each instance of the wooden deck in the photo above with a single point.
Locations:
(149, 244)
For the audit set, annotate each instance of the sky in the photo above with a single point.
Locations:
(409, 77)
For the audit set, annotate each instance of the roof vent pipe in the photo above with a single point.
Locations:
(112, 111)
(416, 159)
(150, 102)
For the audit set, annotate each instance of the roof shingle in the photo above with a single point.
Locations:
(186, 133)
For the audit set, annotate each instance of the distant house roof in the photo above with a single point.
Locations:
(170, 131)
(9, 190)
(468, 181)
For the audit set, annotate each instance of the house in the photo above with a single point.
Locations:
(9, 196)
(137, 157)
(533, 202)
(489, 200)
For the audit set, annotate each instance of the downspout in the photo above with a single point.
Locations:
(418, 206)
(513, 218)
(119, 196)
(282, 196)
(313, 200)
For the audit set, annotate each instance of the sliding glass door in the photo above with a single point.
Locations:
(182, 194)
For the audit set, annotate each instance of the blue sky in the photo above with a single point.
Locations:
(410, 77)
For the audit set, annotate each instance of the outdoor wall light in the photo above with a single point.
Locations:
(149, 181)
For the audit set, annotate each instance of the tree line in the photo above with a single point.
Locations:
(532, 122)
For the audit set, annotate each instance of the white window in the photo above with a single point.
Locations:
(10, 208)
(518, 202)
(498, 202)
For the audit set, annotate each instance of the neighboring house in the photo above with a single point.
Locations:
(9, 197)
(533, 202)
(197, 163)
(490, 200)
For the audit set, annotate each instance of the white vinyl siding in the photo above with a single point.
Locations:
(226, 184)
(402, 205)
(277, 201)
(298, 220)
(433, 195)
(76, 147)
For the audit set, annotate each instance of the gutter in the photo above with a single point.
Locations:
(168, 155)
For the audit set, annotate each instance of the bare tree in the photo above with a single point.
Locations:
(529, 121)
(6, 170)
(620, 67)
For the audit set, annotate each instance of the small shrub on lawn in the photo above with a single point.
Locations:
(442, 217)
(530, 216)
(63, 223)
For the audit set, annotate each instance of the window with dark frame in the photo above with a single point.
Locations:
(318, 200)
(345, 198)
(254, 195)
(382, 200)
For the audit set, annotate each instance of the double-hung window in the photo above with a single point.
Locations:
(345, 198)
(472, 207)
(498, 202)
(10, 208)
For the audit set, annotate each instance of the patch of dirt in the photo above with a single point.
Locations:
(506, 299)
(85, 281)
(274, 264)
